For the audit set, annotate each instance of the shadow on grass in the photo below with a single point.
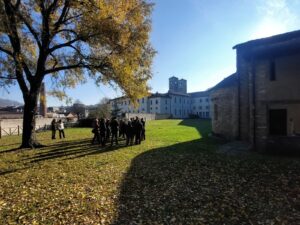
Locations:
(72, 150)
(162, 185)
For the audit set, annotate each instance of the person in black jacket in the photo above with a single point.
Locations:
(102, 127)
(138, 130)
(114, 130)
(108, 130)
(53, 128)
(143, 129)
(96, 131)
(129, 133)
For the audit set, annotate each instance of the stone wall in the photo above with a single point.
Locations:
(224, 110)
(258, 94)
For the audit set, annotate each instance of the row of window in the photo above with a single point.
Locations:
(203, 114)
(200, 107)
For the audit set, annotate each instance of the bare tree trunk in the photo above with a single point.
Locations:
(29, 136)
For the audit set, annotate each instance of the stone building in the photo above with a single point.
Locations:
(176, 103)
(268, 102)
(224, 108)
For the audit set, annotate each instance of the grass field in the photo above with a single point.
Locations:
(174, 177)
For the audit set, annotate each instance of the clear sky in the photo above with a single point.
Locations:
(194, 40)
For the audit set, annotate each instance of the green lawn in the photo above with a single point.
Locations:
(174, 177)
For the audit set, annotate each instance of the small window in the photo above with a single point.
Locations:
(156, 102)
(166, 108)
(207, 107)
(166, 101)
(207, 99)
(272, 70)
(200, 100)
(200, 107)
(151, 102)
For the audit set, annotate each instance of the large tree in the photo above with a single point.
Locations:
(69, 40)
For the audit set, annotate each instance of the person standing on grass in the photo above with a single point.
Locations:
(143, 129)
(114, 130)
(53, 128)
(129, 133)
(122, 128)
(108, 130)
(96, 131)
(138, 130)
(61, 128)
(102, 127)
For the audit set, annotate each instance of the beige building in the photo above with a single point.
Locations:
(268, 94)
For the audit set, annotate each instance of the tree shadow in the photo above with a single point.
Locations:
(72, 150)
(189, 183)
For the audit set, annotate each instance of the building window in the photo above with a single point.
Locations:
(194, 107)
(156, 101)
(200, 100)
(166, 101)
(166, 108)
(207, 114)
(272, 70)
(151, 102)
(207, 99)
(200, 107)
(156, 108)
(207, 107)
(150, 108)
(143, 100)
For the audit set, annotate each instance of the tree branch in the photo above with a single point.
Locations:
(6, 51)
(66, 44)
(8, 78)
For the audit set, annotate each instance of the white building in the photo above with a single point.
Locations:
(177, 102)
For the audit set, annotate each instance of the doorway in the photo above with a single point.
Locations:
(278, 122)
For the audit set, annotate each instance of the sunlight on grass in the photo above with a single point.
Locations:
(175, 176)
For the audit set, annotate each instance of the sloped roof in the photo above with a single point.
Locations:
(270, 40)
(199, 94)
(227, 82)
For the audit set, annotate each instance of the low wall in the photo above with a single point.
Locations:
(15, 126)
(147, 116)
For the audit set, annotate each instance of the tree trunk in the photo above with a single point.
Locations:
(29, 135)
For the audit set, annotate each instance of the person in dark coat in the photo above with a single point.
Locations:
(96, 131)
(122, 129)
(108, 130)
(102, 127)
(129, 133)
(53, 128)
(114, 130)
(138, 130)
(143, 129)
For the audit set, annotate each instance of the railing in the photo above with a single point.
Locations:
(9, 131)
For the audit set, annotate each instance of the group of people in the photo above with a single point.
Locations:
(106, 130)
(57, 126)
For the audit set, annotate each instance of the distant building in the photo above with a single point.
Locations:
(176, 103)
(261, 104)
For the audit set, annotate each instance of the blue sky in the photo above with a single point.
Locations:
(194, 40)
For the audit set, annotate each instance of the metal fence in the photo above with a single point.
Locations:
(9, 131)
